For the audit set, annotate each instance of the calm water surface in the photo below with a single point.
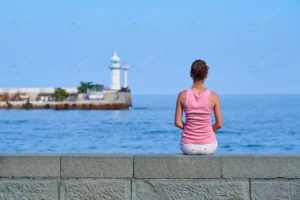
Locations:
(251, 124)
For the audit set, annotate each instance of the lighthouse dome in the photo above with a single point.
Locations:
(115, 58)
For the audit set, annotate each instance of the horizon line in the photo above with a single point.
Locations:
(231, 94)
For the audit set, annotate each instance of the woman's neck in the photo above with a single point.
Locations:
(198, 84)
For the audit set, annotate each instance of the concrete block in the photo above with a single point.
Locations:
(177, 166)
(95, 189)
(97, 166)
(261, 166)
(29, 166)
(195, 189)
(28, 189)
(278, 189)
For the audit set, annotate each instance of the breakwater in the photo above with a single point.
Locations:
(67, 105)
(153, 177)
(116, 102)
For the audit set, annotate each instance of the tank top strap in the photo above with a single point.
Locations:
(189, 91)
(207, 97)
(188, 94)
(207, 93)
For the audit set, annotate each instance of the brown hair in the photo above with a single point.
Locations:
(199, 69)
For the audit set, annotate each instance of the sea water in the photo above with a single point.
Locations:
(257, 124)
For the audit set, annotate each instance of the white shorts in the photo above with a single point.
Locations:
(205, 149)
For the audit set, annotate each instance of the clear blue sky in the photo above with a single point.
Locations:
(251, 46)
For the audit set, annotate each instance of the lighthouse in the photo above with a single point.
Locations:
(115, 72)
(125, 68)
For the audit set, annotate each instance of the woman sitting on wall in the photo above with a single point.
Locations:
(198, 135)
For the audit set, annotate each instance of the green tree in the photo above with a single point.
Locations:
(84, 86)
(60, 94)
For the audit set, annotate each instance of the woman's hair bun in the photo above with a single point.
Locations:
(199, 69)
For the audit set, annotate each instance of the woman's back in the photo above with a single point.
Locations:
(198, 135)
(198, 111)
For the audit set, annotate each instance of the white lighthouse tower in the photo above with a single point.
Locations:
(115, 72)
(125, 68)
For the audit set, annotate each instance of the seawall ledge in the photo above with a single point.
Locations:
(149, 176)
(149, 166)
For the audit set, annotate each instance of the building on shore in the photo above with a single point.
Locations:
(98, 93)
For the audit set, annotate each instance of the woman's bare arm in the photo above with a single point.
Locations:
(179, 110)
(217, 112)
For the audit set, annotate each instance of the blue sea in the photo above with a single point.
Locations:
(252, 124)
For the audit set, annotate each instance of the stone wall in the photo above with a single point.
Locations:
(149, 177)
(125, 97)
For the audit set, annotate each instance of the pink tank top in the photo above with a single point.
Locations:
(198, 128)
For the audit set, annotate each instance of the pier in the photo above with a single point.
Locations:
(119, 101)
(79, 105)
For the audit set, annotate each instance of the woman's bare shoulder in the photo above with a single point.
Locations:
(182, 95)
(214, 96)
